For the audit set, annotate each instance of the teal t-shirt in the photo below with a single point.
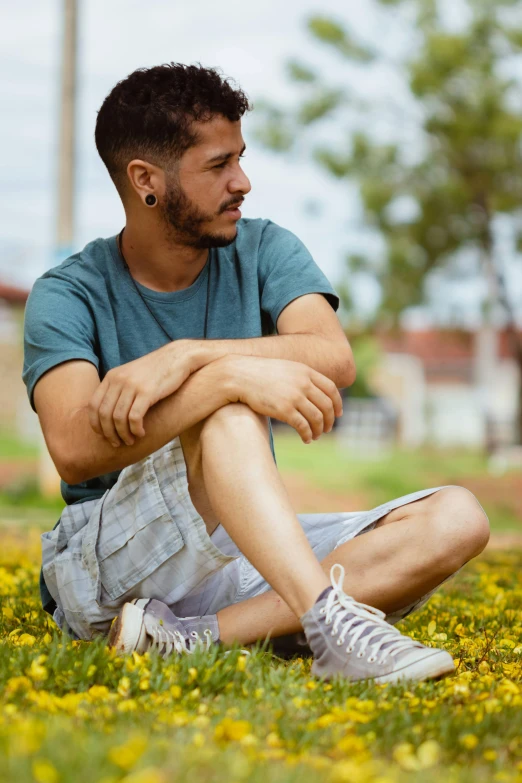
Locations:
(88, 308)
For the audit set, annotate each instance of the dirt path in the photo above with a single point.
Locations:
(311, 499)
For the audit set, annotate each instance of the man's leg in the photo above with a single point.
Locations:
(389, 567)
(233, 479)
(232, 474)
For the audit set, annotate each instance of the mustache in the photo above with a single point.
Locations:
(234, 204)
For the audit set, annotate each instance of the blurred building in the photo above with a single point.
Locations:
(15, 411)
(450, 388)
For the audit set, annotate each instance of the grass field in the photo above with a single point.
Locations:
(330, 467)
(72, 712)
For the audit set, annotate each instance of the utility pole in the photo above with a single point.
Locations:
(48, 477)
(66, 151)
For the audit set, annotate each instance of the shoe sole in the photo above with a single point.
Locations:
(431, 668)
(425, 669)
(126, 629)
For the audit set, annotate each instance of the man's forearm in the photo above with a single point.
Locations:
(202, 394)
(332, 358)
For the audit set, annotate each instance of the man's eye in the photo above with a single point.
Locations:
(222, 165)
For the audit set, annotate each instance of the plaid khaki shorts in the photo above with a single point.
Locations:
(145, 539)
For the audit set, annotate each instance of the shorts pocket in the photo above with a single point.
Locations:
(137, 533)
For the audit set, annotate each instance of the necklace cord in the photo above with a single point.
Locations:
(207, 304)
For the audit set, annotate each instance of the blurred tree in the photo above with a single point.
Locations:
(435, 206)
(368, 355)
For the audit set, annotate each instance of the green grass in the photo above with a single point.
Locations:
(22, 502)
(328, 463)
(75, 713)
(72, 712)
(13, 447)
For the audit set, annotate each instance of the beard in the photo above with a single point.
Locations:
(186, 220)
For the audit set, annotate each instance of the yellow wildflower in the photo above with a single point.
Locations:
(273, 740)
(124, 687)
(232, 730)
(428, 754)
(126, 755)
(469, 741)
(44, 771)
(36, 671)
(97, 692)
(149, 775)
(16, 684)
(26, 639)
(351, 744)
(198, 739)
(129, 705)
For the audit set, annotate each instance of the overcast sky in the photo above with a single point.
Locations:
(248, 41)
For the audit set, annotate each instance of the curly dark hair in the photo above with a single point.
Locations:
(151, 114)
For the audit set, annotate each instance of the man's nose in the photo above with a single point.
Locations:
(240, 182)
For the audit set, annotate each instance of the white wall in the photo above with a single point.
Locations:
(455, 416)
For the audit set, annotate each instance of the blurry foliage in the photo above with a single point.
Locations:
(12, 446)
(25, 493)
(471, 124)
(467, 169)
(367, 354)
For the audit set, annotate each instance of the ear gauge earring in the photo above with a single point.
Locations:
(150, 200)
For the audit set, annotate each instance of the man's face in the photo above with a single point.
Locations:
(208, 182)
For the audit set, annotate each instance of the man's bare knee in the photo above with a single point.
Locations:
(233, 419)
(460, 525)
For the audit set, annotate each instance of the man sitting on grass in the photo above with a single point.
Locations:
(155, 359)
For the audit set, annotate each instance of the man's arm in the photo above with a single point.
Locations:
(62, 397)
(308, 332)
(286, 390)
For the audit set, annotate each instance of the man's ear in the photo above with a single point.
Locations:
(145, 178)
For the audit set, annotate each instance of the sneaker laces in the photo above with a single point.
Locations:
(167, 641)
(362, 623)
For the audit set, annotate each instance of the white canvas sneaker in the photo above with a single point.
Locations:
(354, 640)
(147, 624)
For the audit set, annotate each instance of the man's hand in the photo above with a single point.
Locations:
(120, 402)
(286, 390)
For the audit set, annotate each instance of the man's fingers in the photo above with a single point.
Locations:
(301, 426)
(139, 408)
(121, 416)
(329, 388)
(313, 416)
(105, 413)
(94, 408)
(325, 405)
